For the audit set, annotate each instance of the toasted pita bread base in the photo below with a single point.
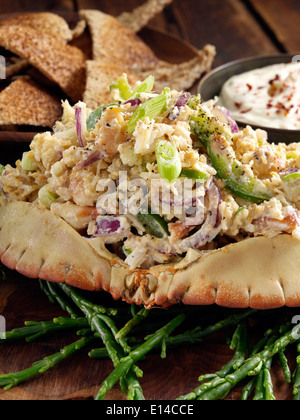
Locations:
(24, 102)
(115, 42)
(100, 75)
(260, 273)
(46, 22)
(141, 15)
(61, 63)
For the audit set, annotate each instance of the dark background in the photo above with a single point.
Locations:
(238, 28)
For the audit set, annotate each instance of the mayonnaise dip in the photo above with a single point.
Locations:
(265, 97)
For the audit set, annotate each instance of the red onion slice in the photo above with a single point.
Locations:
(226, 117)
(180, 103)
(80, 121)
(112, 228)
(289, 172)
(95, 156)
(208, 232)
(133, 102)
(210, 229)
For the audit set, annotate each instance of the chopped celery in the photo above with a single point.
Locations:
(28, 162)
(122, 86)
(2, 167)
(154, 224)
(193, 174)
(92, 118)
(151, 108)
(46, 196)
(168, 160)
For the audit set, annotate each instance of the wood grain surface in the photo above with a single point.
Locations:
(238, 28)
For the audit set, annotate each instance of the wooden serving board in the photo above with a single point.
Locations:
(80, 377)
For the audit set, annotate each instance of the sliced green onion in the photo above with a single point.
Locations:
(152, 109)
(168, 160)
(291, 177)
(291, 155)
(193, 174)
(145, 87)
(2, 167)
(122, 86)
(154, 225)
(126, 251)
(28, 163)
(239, 210)
(46, 196)
(92, 118)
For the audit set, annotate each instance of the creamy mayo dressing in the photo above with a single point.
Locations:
(268, 97)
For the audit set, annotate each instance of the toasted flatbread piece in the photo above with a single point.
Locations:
(260, 273)
(113, 41)
(100, 75)
(182, 76)
(23, 102)
(61, 63)
(140, 16)
(45, 22)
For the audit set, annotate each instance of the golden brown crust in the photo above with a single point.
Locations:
(141, 15)
(61, 63)
(260, 273)
(100, 75)
(23, 102)
(115, 42)
(46, 22)
(182, 76)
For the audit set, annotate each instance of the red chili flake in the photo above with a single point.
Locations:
(238, 105)
(277, 77)
(249, 86)
(246, 110)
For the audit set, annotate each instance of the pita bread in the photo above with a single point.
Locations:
(114, 42)
(181, 76)
(100, 75)
(45, 22)
(61, 63)
(260, 273)
(23, 102)
(140, 16)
